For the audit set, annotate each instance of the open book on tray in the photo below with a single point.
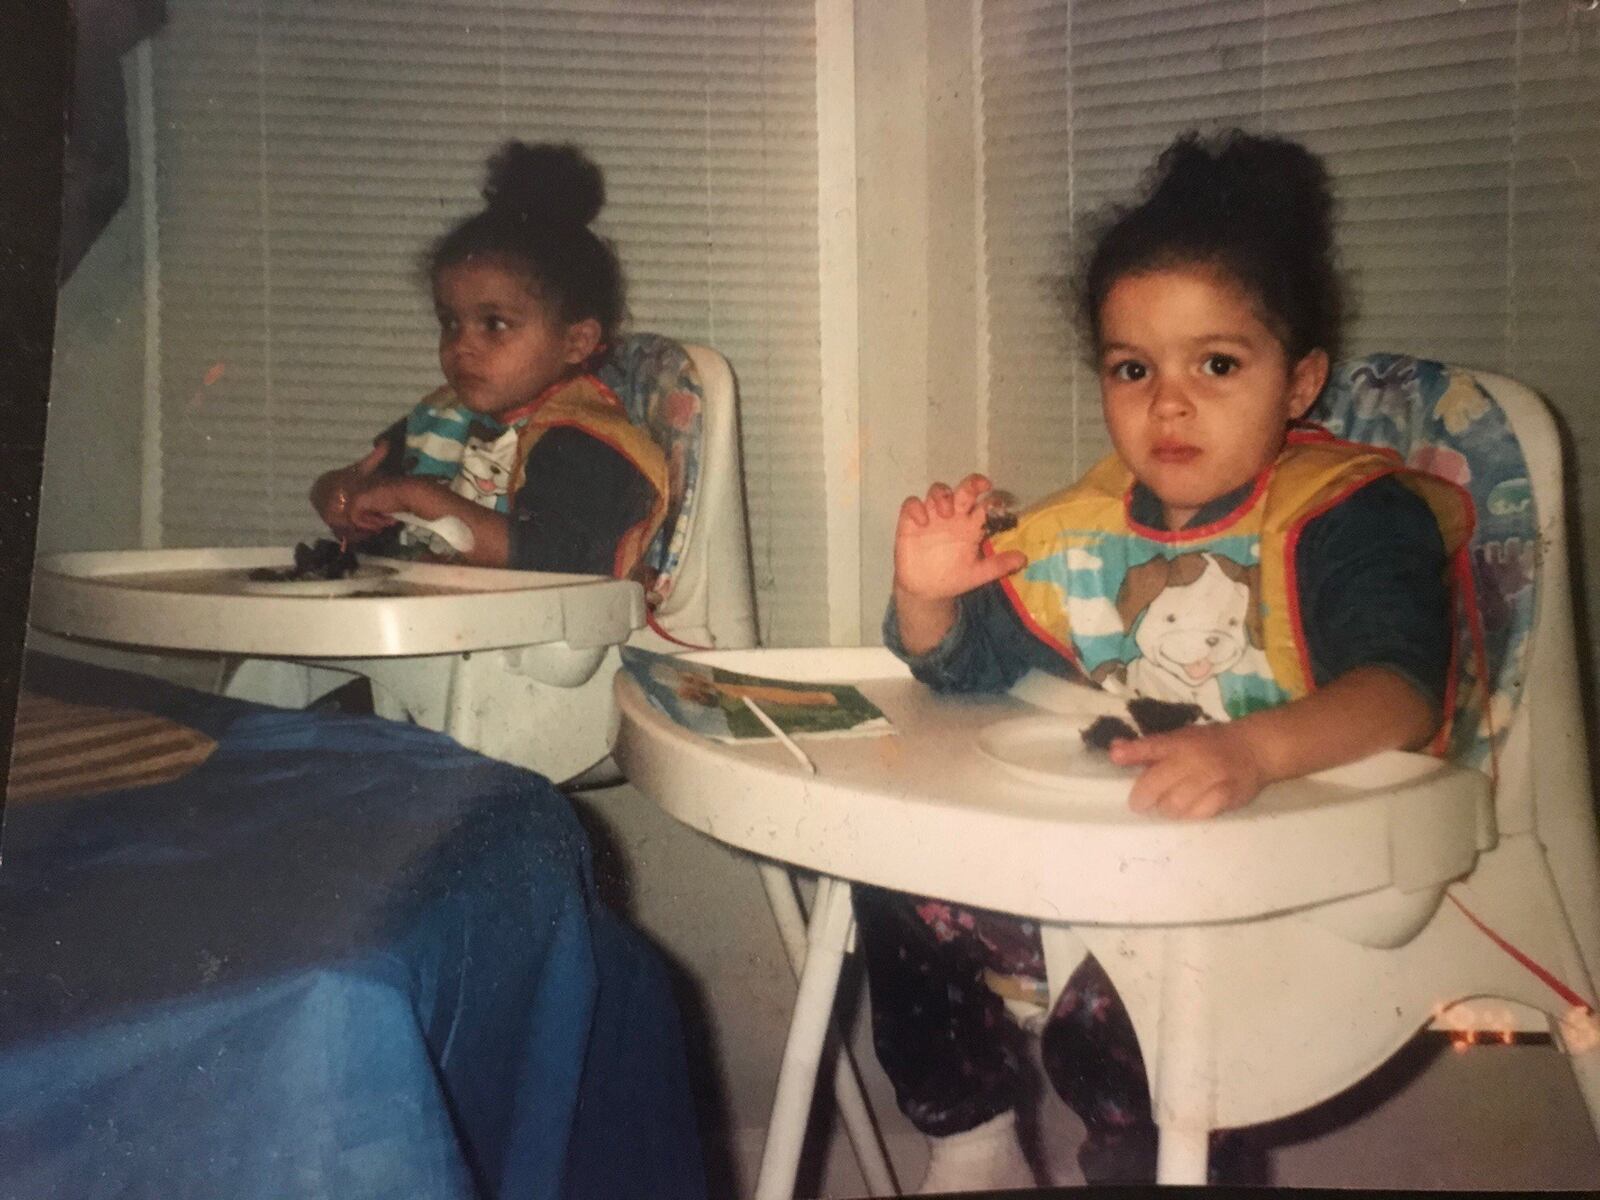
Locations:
(710, 701)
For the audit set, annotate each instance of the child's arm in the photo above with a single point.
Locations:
(938, 556)
(374, 499)
(1208, 769)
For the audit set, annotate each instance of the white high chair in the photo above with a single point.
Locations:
(550, 707)
(1248, 1020)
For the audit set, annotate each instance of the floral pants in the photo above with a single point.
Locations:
(944, 1037)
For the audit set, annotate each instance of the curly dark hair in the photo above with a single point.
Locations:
(1258, 209)
(539, 201)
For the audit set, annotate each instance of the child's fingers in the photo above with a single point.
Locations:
(1154, 782)
(371, 522)
(912, 510)
(1212, 802)
(1128, 752)
(969, 490)
(941, 500)
(997, 566)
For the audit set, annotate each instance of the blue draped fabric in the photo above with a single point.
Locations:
(341, 958)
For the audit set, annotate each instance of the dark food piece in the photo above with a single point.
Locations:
(1162, 716)
(1152, 716)
(998, 522)
(322, 559)
(1106, 730)
(999, 512)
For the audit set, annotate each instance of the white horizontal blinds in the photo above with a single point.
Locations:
(1027, 171)
(1555, 242)
(1078, 98)
(1462, 139)
(309, 152)
(1141, 72)
(1410, 103)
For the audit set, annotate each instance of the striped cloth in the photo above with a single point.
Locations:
(62, 749)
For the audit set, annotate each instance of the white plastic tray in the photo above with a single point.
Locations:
(936, 809)
(204, 600)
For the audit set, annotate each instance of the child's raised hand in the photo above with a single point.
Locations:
(1195, 772)
(938, 552)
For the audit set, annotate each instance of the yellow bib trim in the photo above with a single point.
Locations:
(1208, 615)
(585, 403)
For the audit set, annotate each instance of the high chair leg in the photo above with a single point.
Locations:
(1586, 1069)
(848, 1093)
(1183, 1074)
(827, 935)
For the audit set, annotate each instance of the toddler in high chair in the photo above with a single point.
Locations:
(1296, 588)
(523, 445)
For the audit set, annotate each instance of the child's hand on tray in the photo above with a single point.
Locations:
(374, 501)
(1195, 772)
(334, 491)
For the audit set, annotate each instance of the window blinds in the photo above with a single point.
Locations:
(308, 150)
(1463, 137)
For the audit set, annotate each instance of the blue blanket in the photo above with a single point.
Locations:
(341, 958)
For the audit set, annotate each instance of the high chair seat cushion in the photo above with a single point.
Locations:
(1440, 419)
(657, 383)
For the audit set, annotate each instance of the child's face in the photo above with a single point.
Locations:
(1197, 392)
(498, 345)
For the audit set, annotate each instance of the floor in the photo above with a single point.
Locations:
(1491, 1117)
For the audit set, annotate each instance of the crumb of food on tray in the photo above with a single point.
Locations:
(1162, 716)
(1106, 730)
(321, 559)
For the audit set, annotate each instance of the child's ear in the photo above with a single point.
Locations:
(1306, 380)
(582, 338)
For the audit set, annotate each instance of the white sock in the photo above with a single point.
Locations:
(985, 1157)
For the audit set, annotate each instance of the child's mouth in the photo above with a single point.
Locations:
(1174, 452)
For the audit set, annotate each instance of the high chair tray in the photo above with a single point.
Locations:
(1050, 750)
(934, 809)
(204, 600)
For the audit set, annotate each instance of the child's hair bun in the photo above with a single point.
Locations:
(545, 183)
(1257, 207)
(1269, 183)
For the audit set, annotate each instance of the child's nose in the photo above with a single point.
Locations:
(1169, 398)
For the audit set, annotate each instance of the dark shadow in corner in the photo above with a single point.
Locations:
(1573, 519)
(614, 884)
(1397, 1073)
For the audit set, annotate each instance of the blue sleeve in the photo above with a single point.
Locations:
(987, 649)
(579, 499)
(393, 441)
(1374, 588)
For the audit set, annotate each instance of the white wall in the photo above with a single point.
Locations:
(918, 267)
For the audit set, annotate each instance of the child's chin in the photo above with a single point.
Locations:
(484, 406)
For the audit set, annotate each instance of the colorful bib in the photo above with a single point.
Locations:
(1210, 615)
(484, 459)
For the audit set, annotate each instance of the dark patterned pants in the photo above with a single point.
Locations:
(946, 1041)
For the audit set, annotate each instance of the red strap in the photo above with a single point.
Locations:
(650, 619)
(1555, 985)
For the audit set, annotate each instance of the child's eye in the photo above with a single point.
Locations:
(1221, 364)
(496, 324)
(1129, 371)
(447, 323)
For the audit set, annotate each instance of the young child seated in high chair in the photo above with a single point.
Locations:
(524, 446)
(1296, 588)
